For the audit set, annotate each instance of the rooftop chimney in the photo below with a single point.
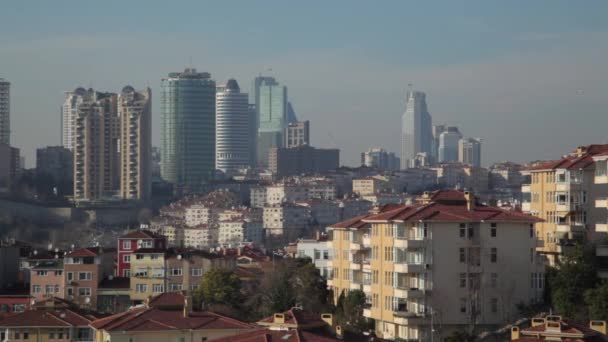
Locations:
(187, 306)
(470, 200)
(599, 326)
(514, 333)
(538, 321)
(279, 318)
(581, 150)
(339, 333)
(328, 318)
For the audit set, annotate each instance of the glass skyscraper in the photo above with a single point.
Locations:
(416, 129)
(271, 111)
(187, 128)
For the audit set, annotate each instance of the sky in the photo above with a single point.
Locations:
(528, 77)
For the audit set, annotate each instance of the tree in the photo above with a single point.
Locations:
(460, 336)
(597, 302)
(218, 286)
(349, 311)
(576, 274)
(309, 287)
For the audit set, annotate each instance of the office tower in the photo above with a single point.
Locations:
(448, 145)
(569, 194)
(232, 129)
(297, 134)
(5, 112)
(447, 258)
(57, 162)
(302, 160)
(253, 136)
(381, 159)
(291, 114)
(9, 167)
(187, 128)
(469, 151)
(69, 110)
(416, 129)
(135, 112)
(96, 162)
(271, 113)
(437, 130)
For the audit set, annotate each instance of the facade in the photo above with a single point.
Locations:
(56, 161)
(370, 185)
(416, 128)
(5, 112)
(601, 226)
(9, 265)
(437, 130)
(302, 160)
(319, 252)
(448, 145)
(232, 129)
(555, 328)
(47, 280)
(442, 260)
(278, 193)
(96, 162)
(84, 269)
(128, 243)
(286, 220)
(564, 194)
(148, 273)
(297, 134)
(380, 159)
(271, 109)
(9, 169)
(135, 112)
(187, 128)
(469, 151)
(69, 112)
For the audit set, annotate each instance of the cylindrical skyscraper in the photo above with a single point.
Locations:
(232, 128)
(187, 128)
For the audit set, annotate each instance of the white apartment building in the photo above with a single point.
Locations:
(438, 266)
(319, 251)
(276, 194)
(232, 232)
(69, 111)
(285, 218)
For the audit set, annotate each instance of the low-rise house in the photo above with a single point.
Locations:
(318, 251)
(147, 273)
(132, 241)
(83, 269)
(554, 328)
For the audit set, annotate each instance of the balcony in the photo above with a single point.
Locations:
(572, 227)
(409, 268)
(601, 179)
(402, 242)
(601, 203)
(354, 247)
(526, 207)
(526, 188)
(366, 241)
(355, 286)
(568, 186)
(601, 227)
(401, 292)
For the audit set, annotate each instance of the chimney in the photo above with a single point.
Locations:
(537, 321)
(514, 333)
(328, 318)
(318, 235)
(279, 318)
(599, 326)
(239, 251)
(339, 332)
(581, 150)
(187, 306)
(470, 198)
(553, 326)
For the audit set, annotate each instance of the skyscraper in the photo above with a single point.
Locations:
(297, 134)
(96, 163)
(437, 130)
(469, 151)
(134, 110)
(69, 110)
(232, 128)
(448, 144)
(271, 112)
(5, 112)
(187, 128)
(416, 129)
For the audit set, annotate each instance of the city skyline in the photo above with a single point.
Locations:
(538, 72)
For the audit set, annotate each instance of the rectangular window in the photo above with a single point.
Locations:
(139, 256)
(175, 287)
(126, 244)
(84, 291)
(463, 305)
(141, 288)
(493, 232)
(494, 255)
(85, 276)
(463, 230)
(157, 288)
(494, 280)
(494, 305)
(463, 280)
(126, 258)
(126, 273)
(463, 255)
(176, 272)
(36, 288)
(70, 276)
(49, 289)
(197, 272)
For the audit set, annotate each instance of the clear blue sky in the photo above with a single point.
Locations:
(529, 77)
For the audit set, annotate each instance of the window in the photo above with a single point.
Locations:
(463, 230)
(126, 273)
(141, 288)
(139, 256)
(494, 305)
(493, 229)
(36, 288)
(494, 280)
(126, 258)
(494, 255)
(49, 289)
(176, 272)
(463, 257)
(126, 244)
(154, 256)
(84, 291)
(463, 305)
(18, 307)
(197, 272)
(58, 273)
(69, 291)
(70, 276)
(463, 280)
(16, 334)
(375, 277)
(157, 288)
(41, 273)
(85, 276)
(175, 287)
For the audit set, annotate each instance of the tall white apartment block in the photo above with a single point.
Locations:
(232, 128)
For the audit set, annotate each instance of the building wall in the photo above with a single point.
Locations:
(54, 277)
(154, 281)
(9, 265)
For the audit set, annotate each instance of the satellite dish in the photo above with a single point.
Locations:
(110, 277)
(87, 300)
(56, 250)
(179, 257)
(33, 301)
(35, 252)
(50, 247)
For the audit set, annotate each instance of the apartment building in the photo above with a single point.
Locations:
(448, 261)
(285, 219)
(147, 273)
(84, 269)
(237, 230)
(601, 203)
(370, 185)
(566, 193)
(185, 270)
(278, 193)
(319, 252)
(128, 243)
(47, 279)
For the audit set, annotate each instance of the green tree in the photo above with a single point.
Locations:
(349, 311)
(575, 274)
(597, 302)
(218, 287)
(310, 289)
(460, 336)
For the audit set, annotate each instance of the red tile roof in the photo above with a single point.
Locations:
(573, 332)
(573, 160)
(294, 335)
(140, 234)
(297, 318)
(168, 299)
(355, 222)
(84, 252)
(48, 318)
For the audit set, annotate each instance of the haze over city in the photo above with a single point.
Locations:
(529, 78)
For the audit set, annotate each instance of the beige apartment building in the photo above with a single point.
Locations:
(96, 163)
(440, 265)
(567, 194)
(134, 109)
(370, 185)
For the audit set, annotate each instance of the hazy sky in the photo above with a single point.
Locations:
(529, 77)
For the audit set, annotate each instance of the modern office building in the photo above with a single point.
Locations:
(69, 111)
(416, 129)
(232, 129)
(5, 111)
(187, 128)
(96, 162)
(469, 151)
(297, 134)
(271, 112)
(381, 159)
(135, 112)
(302, 160)
(568, 194)
(437, 130)
(448, 145)
(438, 266)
